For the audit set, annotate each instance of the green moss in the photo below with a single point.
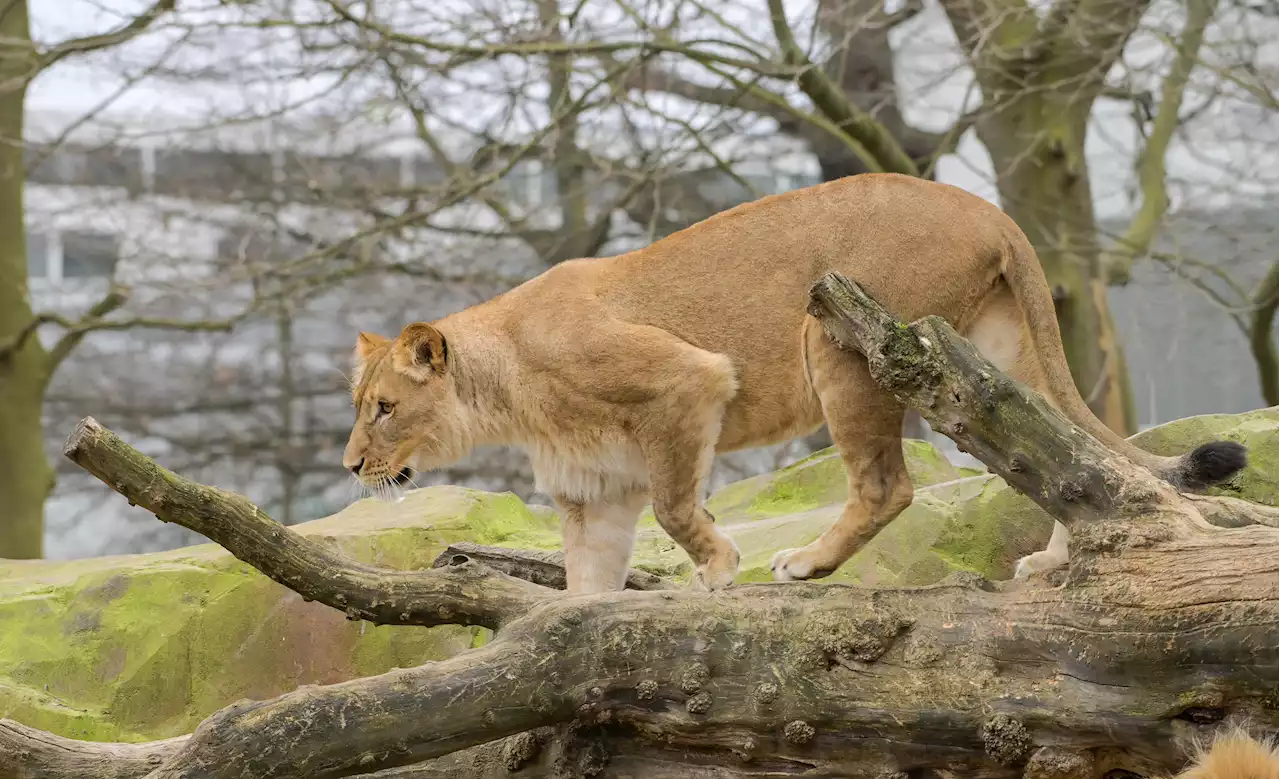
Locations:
(505, 520)
(802, 487)
(1258, 482)
(145, 646)
(819, 480)
(989, 531)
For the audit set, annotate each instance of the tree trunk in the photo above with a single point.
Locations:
(1164, 623)
(862, 64)
(1265, 298)
(25, 475)
(1036, 142)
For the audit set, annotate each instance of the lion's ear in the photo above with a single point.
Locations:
(420, 351)
(366, 344)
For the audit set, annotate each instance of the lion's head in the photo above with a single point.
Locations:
(408, 416)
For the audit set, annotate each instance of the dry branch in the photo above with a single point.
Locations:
(457, 595)
(928, 366)
(1165, 625)
(27, 753)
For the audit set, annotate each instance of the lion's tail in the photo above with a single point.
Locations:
(1234, 754)
(1209, 463)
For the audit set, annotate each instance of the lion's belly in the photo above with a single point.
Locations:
(770, 415)
(587, 472)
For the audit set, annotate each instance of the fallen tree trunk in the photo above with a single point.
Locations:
(1164, 623)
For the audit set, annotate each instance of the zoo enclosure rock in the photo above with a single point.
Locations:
(145, 646)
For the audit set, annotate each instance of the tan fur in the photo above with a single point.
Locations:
(623, 376)
(1234, 754)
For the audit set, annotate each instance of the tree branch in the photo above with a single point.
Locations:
(653, 78)
(485, 51)
(1056, 19)
(124, 34)
(114, 299)
(28, 753)
(1141, 232)
(95, 319)
(459, 595)
(1011, 429)
(885, 151)
(909, 10)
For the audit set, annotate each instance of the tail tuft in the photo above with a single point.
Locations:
(1211, 463)
(1233, 754)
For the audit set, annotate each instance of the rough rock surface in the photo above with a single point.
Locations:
(145, 646)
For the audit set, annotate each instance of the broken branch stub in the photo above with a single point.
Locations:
(928, 366)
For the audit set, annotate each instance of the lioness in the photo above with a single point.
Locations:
(623, 376)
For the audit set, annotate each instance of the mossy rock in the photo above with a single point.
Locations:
(141, 647)
(138, 647)
(961, 519)
(1256, 430)
(791, 507)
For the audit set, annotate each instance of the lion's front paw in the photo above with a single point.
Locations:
(721, 568)
(1037, 562)
(797, 564)
(1023, 569)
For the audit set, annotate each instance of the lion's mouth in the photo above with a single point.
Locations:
(404, 478)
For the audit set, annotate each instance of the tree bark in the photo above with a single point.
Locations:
(1266, 296)
(1162, 625)
(1037, 149)
(1039, 79)
(542, 568)
(26, 478)
(25, 475)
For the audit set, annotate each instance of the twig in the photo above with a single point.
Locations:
(827, 97)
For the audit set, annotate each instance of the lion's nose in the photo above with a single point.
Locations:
(356, 468)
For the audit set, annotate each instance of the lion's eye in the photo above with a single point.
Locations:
(385, 407)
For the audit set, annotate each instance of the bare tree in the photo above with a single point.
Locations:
(1039, 75)
(411, 158)
(25, 366)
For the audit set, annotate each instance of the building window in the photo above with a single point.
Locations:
(427, 173)
(37, 256)
(88, 255)
(257, 246)
(214, 175)
(306, 176)
(85, 166)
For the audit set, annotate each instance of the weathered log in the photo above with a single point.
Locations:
(540, 567)
(1165, 624)
(27, 753)
(456, 595)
